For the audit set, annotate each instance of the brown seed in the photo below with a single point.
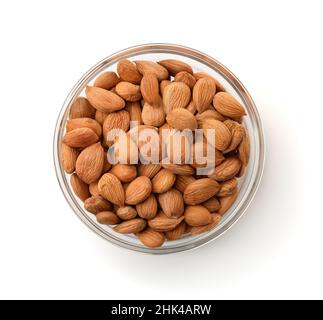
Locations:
(128, 91)
(226, 170)
(237, 133)
(150, 89)
(227, 105)
(153, 115)
(181, 119)
(84, 123)
(80, 188)
(200, 75)
(134, 110)
(148, 208)
(200, 191)
(111, 189)
(162, 223)
(186, 78)
(124, 172)
(145, 67)
(182, 169)
(182, 182)
(81, 108)
(80, 138)
(126, 213)
(128, 71)
(89, 163)
(148, 170)
(100, 116)
(178, 147)
(163, 84)
(104, 100)
(94, 189)
(227, 202)
(163, 181)
(176, 233)
(151, 238)
(220, 132)
(96, 204)
(115, 120)
(203, 93)
(106, 80)
(191, 108)
(200, 229)
(175, 66)
(208, 114)
(197, 216)
(176, 95)
(244, 150)
(227, 188)
(131, 226)
(107, 217)
(68, 156)
(171, 202)
(138, 190)
(212, 204)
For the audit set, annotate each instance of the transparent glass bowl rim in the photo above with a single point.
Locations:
(202, 58)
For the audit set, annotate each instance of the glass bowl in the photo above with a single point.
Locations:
(247, 184)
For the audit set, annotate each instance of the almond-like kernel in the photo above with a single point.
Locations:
(107, 217)
(150, 89)
(128, 91)
(128, 71)
(186, 78)
(106, 80)
(227, 202)
(162, 223)
(197, 216)
(200, 75)
(89, 163)
(124, 172)
(134, 110)
(145, 67)
(181, 119)
(200, 191)
(227, 187)
(148, 170)
(84, 123)
(138, 190)
(68, 156)
(111, 189)
(176, 95)
(163, 181)
(80, 138)
(115, 120)
(216, 218)
(81, 108)
(151, 238)
(171, 202)
(226, 170)
(222, 135)
(203, 93)
(131, 226)
(80, 188)
(227, 105)
(126, 213)
(148, 208)
(96, 204)
(104, 100)
(212, 204)
(176, 233)
(175, 66)
(153, 115)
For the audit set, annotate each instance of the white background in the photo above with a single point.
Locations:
(275, 250)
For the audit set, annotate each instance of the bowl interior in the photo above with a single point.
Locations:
(200, 62)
